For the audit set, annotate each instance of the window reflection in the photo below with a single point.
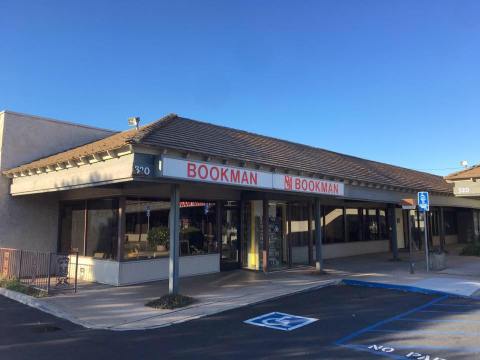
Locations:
(198, 228)
(333, 220)
(146, 222)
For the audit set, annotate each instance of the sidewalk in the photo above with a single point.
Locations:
(461, 277)
(122, 308)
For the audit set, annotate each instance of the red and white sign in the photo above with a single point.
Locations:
(308, 185)
(215, 173)
(229, 175)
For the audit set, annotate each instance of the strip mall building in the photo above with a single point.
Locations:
(241, 200)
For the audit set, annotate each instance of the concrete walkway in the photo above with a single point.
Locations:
(122, 308)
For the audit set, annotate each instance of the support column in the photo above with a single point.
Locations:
(174, 227)
(318, 235)
(392, 221)
(310, 234)
(289, 236)
(121, 227)
(218, 230)
(442, 229)
(241, 235)
(266, 235)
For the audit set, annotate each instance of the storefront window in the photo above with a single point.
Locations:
(353, 224)
(435, 221)
(100, 239)
(450, 217)
(198, 228)
(102, 228)
(334, 229)
(383, 224)
(370, 224)
(146, 234)
(72, 227)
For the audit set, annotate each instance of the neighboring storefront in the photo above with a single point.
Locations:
(466, 184)
(245, 201)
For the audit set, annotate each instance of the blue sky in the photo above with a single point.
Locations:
(393, 81)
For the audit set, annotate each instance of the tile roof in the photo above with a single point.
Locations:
(470, 173)
(175, 132)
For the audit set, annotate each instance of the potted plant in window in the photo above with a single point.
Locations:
(158, 238)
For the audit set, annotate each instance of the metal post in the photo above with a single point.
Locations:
(121, 227)
(48, 272)
(218, 245)
(442, 229)
(393, 231)
(318, 236)
(20, 266)
(174, 226)
(310, 234)
(76, 272)
(425, 225)
(265, 235)
(412, 265)
(242, 238)
(289, 236)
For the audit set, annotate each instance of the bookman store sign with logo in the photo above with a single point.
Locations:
(230, 175)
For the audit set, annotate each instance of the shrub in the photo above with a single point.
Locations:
(16, 285)
(171, 302)
(471, 250)
(158, 236)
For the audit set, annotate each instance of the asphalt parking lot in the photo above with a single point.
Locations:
(347, 322)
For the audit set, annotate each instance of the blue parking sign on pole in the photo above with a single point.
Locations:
(424, 207)
(423, 201)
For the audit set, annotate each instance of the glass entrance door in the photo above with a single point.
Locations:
(276, 232)
(230, 236)
(300, 233)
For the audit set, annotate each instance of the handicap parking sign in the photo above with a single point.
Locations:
(280, 321)
(423, 201)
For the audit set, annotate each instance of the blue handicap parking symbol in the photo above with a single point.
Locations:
(280, 321)
(423, 201)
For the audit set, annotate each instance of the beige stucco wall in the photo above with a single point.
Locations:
(32, 222)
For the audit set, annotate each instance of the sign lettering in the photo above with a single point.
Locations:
(230, 175)
(307, 185)
(215, 173)
(410, 355)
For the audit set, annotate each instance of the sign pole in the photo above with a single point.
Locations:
(426, 239)
(410, 239)
(424, 207)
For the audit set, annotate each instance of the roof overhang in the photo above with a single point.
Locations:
(100, 171)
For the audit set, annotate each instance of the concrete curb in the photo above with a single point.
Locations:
(193, 317)
(55, 311)
(42, 306)
(405, 288)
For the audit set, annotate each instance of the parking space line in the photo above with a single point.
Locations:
(426, 332)
(444, 311)
(389, 320)
(435, 306)
(428, 347)
(440, 320)
(459, 305)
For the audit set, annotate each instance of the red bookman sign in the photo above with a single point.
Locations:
(229, 175)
